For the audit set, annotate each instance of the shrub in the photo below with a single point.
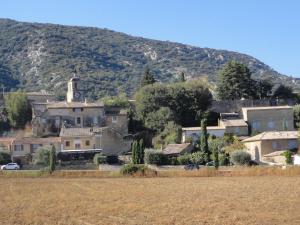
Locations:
(42, 157)
(240, 157)
(4, 158)
(155, 157)
(99, 158)
(288, 157)
(131, 169)
(183, 159)
(224, 159)
(197, 158)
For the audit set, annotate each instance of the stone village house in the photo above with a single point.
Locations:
(74, 125)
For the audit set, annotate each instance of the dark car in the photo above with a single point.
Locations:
(191, 167)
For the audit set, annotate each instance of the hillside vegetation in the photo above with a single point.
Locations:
(43, 56)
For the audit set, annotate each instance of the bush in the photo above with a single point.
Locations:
(99, 158)
(42, 156)
(4, 158)
(288, 157)
(197, 158)
(183, 159)
(224, 159)
(131, 169)
(240, 157)
(155, 157)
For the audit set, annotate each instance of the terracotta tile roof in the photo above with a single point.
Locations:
(272, 154)
(54, 105)
(176, 148)
(266, 108)
(273, 135)
(32, 140)
(80, 132)
(234, 123)
(199, 128)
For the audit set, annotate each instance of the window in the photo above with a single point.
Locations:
(67, 143)
(274, 145)
(256, 125)
(19, 148)
(271, 124)
(87, 143)
(114, 119)
(77, 110)
(237, 130)
(35, 147)
(78, 120)
(292, 144)
(77, 146)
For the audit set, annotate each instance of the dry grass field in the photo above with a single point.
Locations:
(182, 200)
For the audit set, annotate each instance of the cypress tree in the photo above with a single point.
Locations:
(203, 140)
(52, 159)
(216, 158)
(142, 151)
(135, 153)
(147, 78)
(182, 77)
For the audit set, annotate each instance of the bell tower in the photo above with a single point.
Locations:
(74, 94)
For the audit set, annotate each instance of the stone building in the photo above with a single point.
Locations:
(74, 125)
(271, 118)
(262, 145)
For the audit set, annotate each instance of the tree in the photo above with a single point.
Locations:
(203, 140)
(4, 157)
(119, 101)
(288, 157)
(134, 150)
(42, 157)
(18, 109)
(141, 151)
(52, 159)
(284, 92)
(182, 77)
(156, 121)
(183, 99)
(263, 89)
(148, 78)
(234, 82)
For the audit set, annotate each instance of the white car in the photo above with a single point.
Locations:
(10, 166)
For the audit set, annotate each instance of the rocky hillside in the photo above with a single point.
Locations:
(43, 56)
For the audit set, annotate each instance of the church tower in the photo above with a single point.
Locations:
(74, 93)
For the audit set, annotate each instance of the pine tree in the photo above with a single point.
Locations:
(182, 77)
(235, 82)
(203, 140)
(147, 78)
(52, 159)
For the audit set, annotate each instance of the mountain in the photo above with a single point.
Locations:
(38, 56)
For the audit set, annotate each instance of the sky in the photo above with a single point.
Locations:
(268, 30)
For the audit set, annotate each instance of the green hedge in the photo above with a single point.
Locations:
(155, 157)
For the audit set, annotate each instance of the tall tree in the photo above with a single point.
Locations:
(282, 91)
(203, 140)
(182, 77)
(134, 150)
(18, 109)
(52, 159)
(148, 78)
(234, 82)
(142, 151)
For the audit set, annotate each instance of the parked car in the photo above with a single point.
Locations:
(10, 166)
(191, 167)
